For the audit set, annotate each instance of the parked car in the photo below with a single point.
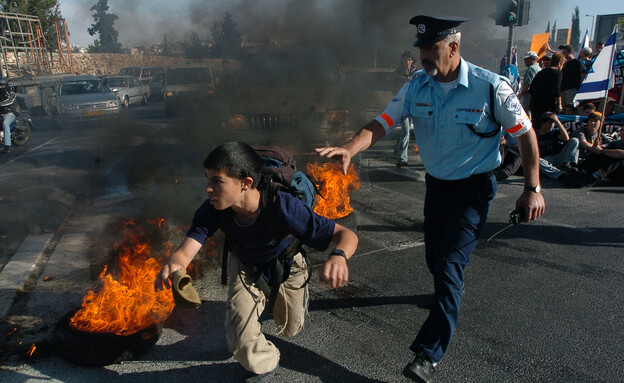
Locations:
(369, 90)
(291, 94)
(156, 85)
(128, 89)
(83, 98)
(188, 87)
(143, 73)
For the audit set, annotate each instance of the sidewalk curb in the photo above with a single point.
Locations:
(28, 258)
(19, 269)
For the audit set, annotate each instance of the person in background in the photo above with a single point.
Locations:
(572, 74)
(557, 150)
(588, 109)
(403, 74)
(510, 157)
(606, 163)
(8, 105)
(585, 55)
(598, 48)
(545, 90)
(589, 141)
(545, 62)
(458, 110)
(530, 60)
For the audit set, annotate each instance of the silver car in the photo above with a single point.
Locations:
(128, 89)
(83, 98)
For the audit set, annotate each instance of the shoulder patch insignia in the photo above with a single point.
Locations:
(512, 104)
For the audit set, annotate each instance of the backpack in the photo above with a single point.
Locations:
(279, 172)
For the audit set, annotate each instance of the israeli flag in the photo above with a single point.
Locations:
(585, 42)
(601, 76)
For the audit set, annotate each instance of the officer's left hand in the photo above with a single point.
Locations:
(335, 272)
(532, 203)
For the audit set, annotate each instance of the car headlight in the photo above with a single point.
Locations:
(70, 107)
(170, 93)
(238, 121)
(336, 119)
(112, 104)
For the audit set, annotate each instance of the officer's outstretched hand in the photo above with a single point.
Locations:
(336, 152)
(335, 272)
(532, 203)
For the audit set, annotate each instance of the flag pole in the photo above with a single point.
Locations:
(606, 92)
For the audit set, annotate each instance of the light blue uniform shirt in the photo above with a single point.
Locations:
(448, 148)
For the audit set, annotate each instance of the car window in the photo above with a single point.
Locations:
(179, 76)
(130, 71)
(82, 87)
(116, 82)
(289, 67)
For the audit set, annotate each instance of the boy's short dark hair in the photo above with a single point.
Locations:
(237, 160)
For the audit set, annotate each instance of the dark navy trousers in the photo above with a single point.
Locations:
(455, 212)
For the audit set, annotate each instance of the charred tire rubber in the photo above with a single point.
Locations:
(100, 349)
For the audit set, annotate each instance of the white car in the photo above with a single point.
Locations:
(83, 98)
(128, 89)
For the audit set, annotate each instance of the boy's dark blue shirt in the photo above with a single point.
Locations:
(253, 244)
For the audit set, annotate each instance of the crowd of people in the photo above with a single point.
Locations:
(575, 153)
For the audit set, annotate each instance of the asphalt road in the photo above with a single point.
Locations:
(542, 303)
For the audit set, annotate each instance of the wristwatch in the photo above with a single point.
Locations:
(338, 252)
(534, 189)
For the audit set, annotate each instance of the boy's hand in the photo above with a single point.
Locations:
(162, 279)
(335, 272)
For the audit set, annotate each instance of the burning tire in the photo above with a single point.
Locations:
(100, 349)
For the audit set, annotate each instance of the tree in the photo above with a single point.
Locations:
(575, 37)
(226, 40)
(103, 26)
(195, 49)
(548, 27)
(553, 33)
(46, 10)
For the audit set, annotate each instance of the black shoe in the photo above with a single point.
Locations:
(500, 175)
(401, 163)
(6, 150)
(420, 370)
(581, 180)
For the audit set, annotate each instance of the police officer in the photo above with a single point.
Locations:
(458, 110)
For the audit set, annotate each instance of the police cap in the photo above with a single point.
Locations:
(431, 29)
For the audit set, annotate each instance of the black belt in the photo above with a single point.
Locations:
(453, 184)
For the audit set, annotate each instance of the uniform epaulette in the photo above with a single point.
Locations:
(486, 75)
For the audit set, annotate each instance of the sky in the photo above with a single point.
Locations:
(147, 21)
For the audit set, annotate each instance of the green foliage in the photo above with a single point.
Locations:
(46, 10)
(195, 49)
(103, 26)
(575, 36)
(226, 40)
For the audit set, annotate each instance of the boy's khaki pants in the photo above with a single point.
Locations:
(244, 307)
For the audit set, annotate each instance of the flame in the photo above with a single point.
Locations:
(129, 304)
(415, 148)
(334, 188)
(31, 350)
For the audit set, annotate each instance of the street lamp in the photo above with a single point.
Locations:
(591, 33)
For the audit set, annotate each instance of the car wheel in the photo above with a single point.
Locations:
(125, 102)
(144, 100)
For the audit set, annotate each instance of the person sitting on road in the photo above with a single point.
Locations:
(233, 172)
(557, 150)
(607, 163)
(7, 111)
(589, 142)
(510, 157)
